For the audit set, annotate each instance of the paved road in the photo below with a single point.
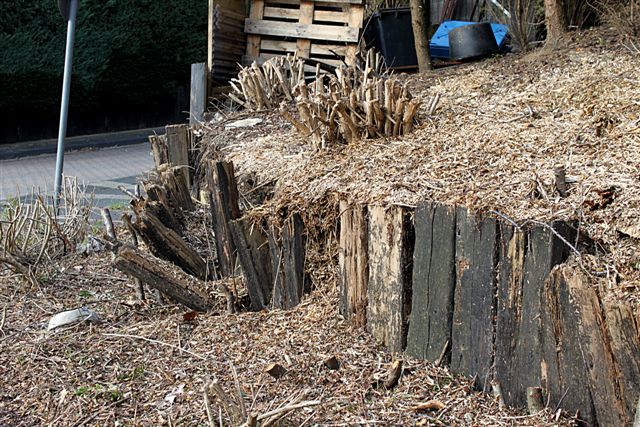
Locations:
(101, 170)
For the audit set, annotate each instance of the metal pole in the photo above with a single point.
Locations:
(64, 105)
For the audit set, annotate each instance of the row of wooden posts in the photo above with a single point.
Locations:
(270, 253)
(490, 299)
(493, 301)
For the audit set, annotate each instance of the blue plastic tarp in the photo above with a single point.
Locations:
(439, 44)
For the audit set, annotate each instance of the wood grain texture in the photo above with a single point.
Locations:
(287, 247)
(472, 330)
(434, 279)
(178, 285)
(291, 29)
(253, 252)
(354, 263)
(526, 258)
(389, 287)
(224, 209)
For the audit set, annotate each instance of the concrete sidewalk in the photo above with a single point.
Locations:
(102, 140)
(100, 170)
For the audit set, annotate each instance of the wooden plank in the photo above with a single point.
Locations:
(281, 13)
(318, 15)
(434, 279)
(590, 350)
(253, 40)
(599, 360)
(267, 44)
(526, 259)
(306, 18)
(563, 375)
(329, 49)
(472, 330)
(277, 45)
(625, 345)
(224, 209)
(166, 244)
(354, 263)
(253, 253)
(198, 96)
(178, 138)
(160, 275)
(287, 249)
(389, 287)
(290, 29)
(308, 68)
(356, 16)
(329, 3)
(233, 8)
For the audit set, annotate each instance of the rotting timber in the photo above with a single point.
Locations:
(505, 301)
(493, 300)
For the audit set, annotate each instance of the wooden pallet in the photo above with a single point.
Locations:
(327, 31)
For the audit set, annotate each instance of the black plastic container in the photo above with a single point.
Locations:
(389, 31)
(472, 42)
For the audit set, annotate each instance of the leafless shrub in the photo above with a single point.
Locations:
(578, 13)
(30, 231)
(522, 17)
(624, 16)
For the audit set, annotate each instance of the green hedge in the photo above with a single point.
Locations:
(128, 53)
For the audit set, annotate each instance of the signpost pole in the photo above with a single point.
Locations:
(69, 11)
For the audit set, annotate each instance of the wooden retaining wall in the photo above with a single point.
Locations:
(493, 302)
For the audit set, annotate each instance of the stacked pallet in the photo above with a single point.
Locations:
(226, 43)
(327, 31)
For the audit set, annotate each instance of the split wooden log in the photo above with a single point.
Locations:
(472, 326)
(126, 218)
(389, 286)
(165, 243)
(159, 149)
(224, 209)
(108, 224)
(158, 204)
(163, 276)
(176, 184)
(253, 254)
(179, 139)
(354, 263)
(434, 280)
(561, 181)
(587, 348)
(287, 248)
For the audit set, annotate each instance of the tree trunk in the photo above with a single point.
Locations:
(418, 9)
(556, 22)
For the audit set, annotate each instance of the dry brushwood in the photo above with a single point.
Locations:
(355, 104)
(30, 231)
(352, 103)
(264, 87)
